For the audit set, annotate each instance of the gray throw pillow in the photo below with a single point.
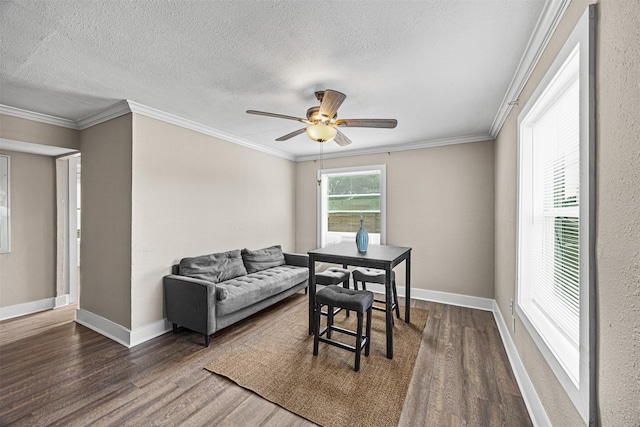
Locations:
(262, 258)
(214, 268)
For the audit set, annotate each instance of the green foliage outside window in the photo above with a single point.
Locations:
(351, 197)
(566, 242)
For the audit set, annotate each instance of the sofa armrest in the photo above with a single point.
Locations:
(190, 303)
(300, 260)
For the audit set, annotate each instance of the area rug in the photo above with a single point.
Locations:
(279, 365)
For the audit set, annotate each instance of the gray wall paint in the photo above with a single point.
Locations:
(194, 194)
(618, 228)
(25, 130)
(439, 202)
(105, 249)
(28, 272)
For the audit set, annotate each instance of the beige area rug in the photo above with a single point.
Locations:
(279, 366)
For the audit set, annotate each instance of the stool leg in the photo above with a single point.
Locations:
(329, 320)
(345, 285)
(368, 344)
(316, 328)
(358, 342)
(395, 299)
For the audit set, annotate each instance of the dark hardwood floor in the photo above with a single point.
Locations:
(56, 372)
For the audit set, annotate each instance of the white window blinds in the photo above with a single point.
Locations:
(549, 262)
(556, 220)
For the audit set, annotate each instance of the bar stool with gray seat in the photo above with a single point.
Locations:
(348, 299)
(366, 275)
(334, 276)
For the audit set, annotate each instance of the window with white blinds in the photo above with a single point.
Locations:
(549, 230)
(555, 229)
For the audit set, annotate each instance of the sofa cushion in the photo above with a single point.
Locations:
(247, 290)
(214, 268)
(262, 259)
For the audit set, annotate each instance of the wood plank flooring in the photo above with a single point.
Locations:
(54, 372)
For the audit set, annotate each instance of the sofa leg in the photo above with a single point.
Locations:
(206, 340)
(175, 328)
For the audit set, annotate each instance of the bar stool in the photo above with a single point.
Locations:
(371, 275)
(334, 276)
(349, 299)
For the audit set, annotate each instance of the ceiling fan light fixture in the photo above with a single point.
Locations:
(320, 132)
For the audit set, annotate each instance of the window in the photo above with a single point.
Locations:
(555, 211)
(344, 197)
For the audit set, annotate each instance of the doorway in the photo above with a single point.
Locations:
(68, 171)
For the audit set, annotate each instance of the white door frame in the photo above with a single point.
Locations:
(67, 226)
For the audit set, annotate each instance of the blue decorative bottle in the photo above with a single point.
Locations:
(362, 238)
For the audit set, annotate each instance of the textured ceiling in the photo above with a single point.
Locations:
(441, 68)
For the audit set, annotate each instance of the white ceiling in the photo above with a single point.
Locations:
(445, 70)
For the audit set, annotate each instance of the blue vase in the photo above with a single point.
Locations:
(362, 238)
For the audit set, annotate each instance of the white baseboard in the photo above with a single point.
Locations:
(531, 400)
(118, 333)
(61, 301)
(33, 307)
(441, 297)
(155, 329)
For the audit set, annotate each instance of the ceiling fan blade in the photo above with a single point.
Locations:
(280, 116)
(367, 123)
(341, 139)
(291, 135)
(331, 101)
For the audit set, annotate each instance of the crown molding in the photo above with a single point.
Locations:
(206, 130)
(116, 110)
(126, 107)
(545, 27)
(37, 117)
(391, 149)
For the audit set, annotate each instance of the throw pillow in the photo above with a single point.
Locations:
(214, 268)
(262, 259)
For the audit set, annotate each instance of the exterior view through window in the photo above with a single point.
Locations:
(346, 196)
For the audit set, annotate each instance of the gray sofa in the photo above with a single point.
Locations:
(210, 292)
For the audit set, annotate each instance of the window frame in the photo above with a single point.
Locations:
(382, 169)
(583, 394)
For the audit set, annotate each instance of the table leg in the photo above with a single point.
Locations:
(407, 293)
(389, 314)
(312, 292)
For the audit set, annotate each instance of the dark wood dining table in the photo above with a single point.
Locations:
(383, 257)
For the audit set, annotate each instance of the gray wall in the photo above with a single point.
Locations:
(25, 130)
(153, 193)
(439, 202)
(29, 270)
(194, 194)
(105, 249)
(618, 227)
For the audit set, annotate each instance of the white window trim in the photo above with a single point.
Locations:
(355, 169)
(584, 396)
